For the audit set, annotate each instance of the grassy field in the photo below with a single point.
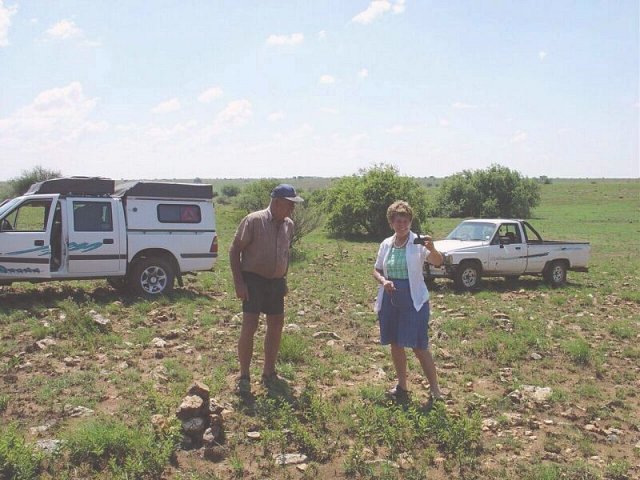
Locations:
(492, 348)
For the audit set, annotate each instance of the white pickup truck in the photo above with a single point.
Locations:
(141, 237)
(504, 248)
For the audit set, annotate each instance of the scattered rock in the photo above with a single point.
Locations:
(324, 334)
(158, 342)
(99, 319)
(292, 327)
(78, 411)
(71, 361)
(536, 356)
(613, 438)
(489, 424)
(45, 342)
(289, 458)
(254, 435)
(35, 431)
(49, 446)
(159, 422)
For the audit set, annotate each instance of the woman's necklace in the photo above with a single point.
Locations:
(395, 242)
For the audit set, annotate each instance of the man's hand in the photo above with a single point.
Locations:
(242, 292)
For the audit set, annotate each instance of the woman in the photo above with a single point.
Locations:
(403, 299)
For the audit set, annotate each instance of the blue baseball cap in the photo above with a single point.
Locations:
(284, 190)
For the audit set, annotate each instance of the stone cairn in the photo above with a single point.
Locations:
(202, 423)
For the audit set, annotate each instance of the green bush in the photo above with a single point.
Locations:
(21, 184)
(494, 192)
(256, 195)
(18, 459)
(230, 190)
(358, 204)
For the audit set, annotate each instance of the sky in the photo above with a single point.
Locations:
(261, 88)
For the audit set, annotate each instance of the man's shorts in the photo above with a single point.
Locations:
(266, 295)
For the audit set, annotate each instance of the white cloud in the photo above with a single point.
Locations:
(236, 114)
(182, 129)
(64, 30)
(5, 22)
(322, 35)
(54, 116)
(327, 79)
(363, 73)
(444, 122)
(398, 7)
(519, 137)
(167, 106)
(377, 8)
(210, 94)
(275, 116)
(68, 30)
(542, 55)
(330, 110)
(397, 129)
(464, 106)
(293, 39)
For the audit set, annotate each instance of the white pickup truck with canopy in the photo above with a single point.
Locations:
(505, 248)
(142, 236)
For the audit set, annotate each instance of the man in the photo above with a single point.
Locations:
(259, 257)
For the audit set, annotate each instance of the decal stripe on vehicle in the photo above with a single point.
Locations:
(198, 255)
(97, 257)
(24, 260)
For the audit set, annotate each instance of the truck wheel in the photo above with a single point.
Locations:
(151, 277)
(467, 276)
(556, 273)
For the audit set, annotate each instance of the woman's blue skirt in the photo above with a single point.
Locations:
(400, 323)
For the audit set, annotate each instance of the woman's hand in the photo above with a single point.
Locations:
(427, 241)
(388, 286)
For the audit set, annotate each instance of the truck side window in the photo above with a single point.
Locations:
(172, 213)
(92, 217)
(509, 233)
(31, 216)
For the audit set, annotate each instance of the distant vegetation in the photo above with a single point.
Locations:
(358, 204)
(493, 192)
(21, 183)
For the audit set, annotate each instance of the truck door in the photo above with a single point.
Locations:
(94, 242)
(25, 232)
(507, 252)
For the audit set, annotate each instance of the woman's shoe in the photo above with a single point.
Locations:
(398, 394)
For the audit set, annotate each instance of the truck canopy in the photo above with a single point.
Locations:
(165, 190)
(79, 186)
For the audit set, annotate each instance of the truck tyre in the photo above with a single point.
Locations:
(467, 276)
(151, 277)
(556, 273)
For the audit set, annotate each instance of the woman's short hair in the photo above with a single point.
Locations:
(399, 207)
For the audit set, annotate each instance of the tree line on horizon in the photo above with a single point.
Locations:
(356, 205)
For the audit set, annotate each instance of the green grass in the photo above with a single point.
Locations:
(18, 459)
(109, 445)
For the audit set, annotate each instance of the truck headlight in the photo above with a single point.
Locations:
(448, 260)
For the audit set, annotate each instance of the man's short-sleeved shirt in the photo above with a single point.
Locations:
(264, 244)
